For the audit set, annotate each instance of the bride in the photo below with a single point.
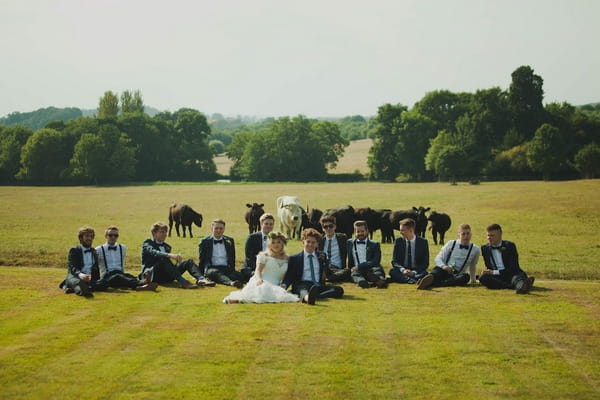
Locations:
(264, 286)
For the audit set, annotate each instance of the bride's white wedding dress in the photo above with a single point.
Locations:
(269, 291)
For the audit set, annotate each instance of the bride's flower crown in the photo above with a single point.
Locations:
(277, 236)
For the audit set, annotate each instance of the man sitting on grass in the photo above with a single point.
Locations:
(157, 257)
(111, 258)
(453, 261)
(502, 263)
(83, 274)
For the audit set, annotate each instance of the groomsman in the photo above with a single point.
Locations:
(502, 264)
(217, 256)
(164, 266)
(334, 244)
(83, 274)
(111, 259)
(255, 243)
(411, 255)
(453, 261)
(364, 258)
(306, 271)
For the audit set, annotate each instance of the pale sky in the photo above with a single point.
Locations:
(281, 57)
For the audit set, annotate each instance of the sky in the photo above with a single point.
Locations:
(270, 58)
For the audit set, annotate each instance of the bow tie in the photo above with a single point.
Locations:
(361, 242)
(463, 246)
(87, 250)
(217, 241)
(497, 247)
(112, 248)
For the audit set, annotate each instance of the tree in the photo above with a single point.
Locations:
(331, 141)
(451, 162)
(192, 131)
(12, 139)
(216, 147)
(45, 157)
(443, 107)
(414, 133)
(546, 151)
(383, 162)
(587, 160)
(109, 105)
(132, 102)
(525, 96)
(103, 157)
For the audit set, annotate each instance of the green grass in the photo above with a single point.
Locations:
(553, 223)
(468, 343)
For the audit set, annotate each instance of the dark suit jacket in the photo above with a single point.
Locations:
(205, 251)
(254, 243)
(341, 239)
(421, 254)
(296, 268)
(75, 264)
(151, 254)
(510, 258)
(373, 254)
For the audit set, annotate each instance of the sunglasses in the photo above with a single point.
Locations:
(328, 226)
(113, 235)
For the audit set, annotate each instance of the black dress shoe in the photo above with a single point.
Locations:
(312, 295)
(364, 284)
(425, 282)
(237, 284)
(525, 286)
(381, 284)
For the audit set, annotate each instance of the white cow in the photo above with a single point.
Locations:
(289, 213)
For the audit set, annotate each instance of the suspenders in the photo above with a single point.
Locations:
(466, 258)
(106, 262)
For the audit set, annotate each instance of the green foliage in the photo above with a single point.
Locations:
(216, 147)
(587, 160)
(511, 162)
(12, 139)
(108, 106)
(38, 119)
(354, 127)
(132, 102)
(525, 96)
(45, 157)
(383, 161)
(292, 149)
(546, 151)
(103, 157)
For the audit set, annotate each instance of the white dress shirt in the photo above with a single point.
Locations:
(359, 251)
(458, 256)
(115, 259)
(219, 254)
(88, 260)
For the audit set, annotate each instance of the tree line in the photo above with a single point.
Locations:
(507, 134)
(120, 144)
(491, 132)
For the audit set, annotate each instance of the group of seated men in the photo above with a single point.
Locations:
(357, 260)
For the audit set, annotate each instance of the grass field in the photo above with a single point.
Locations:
(397, 343)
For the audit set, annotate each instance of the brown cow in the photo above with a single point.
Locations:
(183, 215)
(252, 216)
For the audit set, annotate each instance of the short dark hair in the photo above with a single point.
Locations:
(326, 219)
(310, 232)
(494, 227)
(408, 222)
(361, 223)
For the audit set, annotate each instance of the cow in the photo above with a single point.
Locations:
(344, 219)
(252, 216)
(387, 230)
(421, 221)
(371, 217)
(310, 219)
(415, 214)
(289, 213)
(440, 223)
(183, 215)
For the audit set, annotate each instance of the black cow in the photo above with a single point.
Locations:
(387, 230)
(184, 215)
(371, 217)
(252, 216)
(421, 221)
(440, 223)
(310, 219)
(344, 219)
(414, 214)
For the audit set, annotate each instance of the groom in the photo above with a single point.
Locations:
(306, 271)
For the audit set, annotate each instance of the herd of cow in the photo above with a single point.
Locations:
(293, 218)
